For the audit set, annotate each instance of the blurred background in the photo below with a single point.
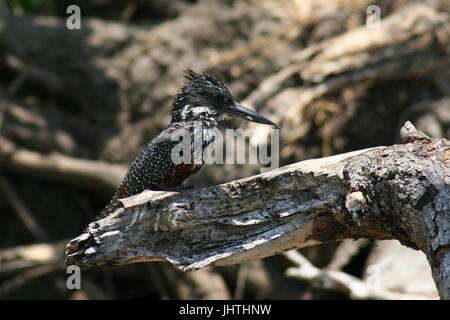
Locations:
(76, 106)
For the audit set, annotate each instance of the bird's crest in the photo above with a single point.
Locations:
(200, 90)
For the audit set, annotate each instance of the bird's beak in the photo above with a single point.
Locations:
(247, 114)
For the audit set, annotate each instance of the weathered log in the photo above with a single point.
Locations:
(397, 192)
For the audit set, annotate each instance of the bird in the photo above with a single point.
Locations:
(203, 99)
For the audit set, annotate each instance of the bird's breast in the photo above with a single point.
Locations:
(180, 174)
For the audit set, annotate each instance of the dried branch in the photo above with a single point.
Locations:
(93, 175)
(23, 278)
(340, 281)
(22, 211)
(23, 257)
(345, 252)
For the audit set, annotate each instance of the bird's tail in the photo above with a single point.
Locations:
(113, 204)
(110, 208)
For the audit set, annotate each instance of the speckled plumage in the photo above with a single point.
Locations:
(202, 102)
(154, 166)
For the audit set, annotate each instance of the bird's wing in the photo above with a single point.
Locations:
(154, 168)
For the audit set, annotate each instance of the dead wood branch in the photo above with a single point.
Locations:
(93, 175)
(22, 211)
(24, 278)
(345, 252)
(396, 192)
(340, 281)
(24, 257)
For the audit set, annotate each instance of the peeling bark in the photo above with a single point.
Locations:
(397, 192)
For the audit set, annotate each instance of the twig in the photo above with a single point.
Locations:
(35, 73)
(27, 276)
(128, 11)
(253, 46)
(157, 282)
(17, 258)
(340, 281)
(346, 250)
(22, 212)
(241, 281)
(93, 175)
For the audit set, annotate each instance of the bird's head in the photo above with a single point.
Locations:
(204, 97)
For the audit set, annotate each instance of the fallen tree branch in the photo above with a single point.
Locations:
(93, 175)
(21, 210)
(346, 250)
(397, 192)
(30, 256)
(340, 281)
